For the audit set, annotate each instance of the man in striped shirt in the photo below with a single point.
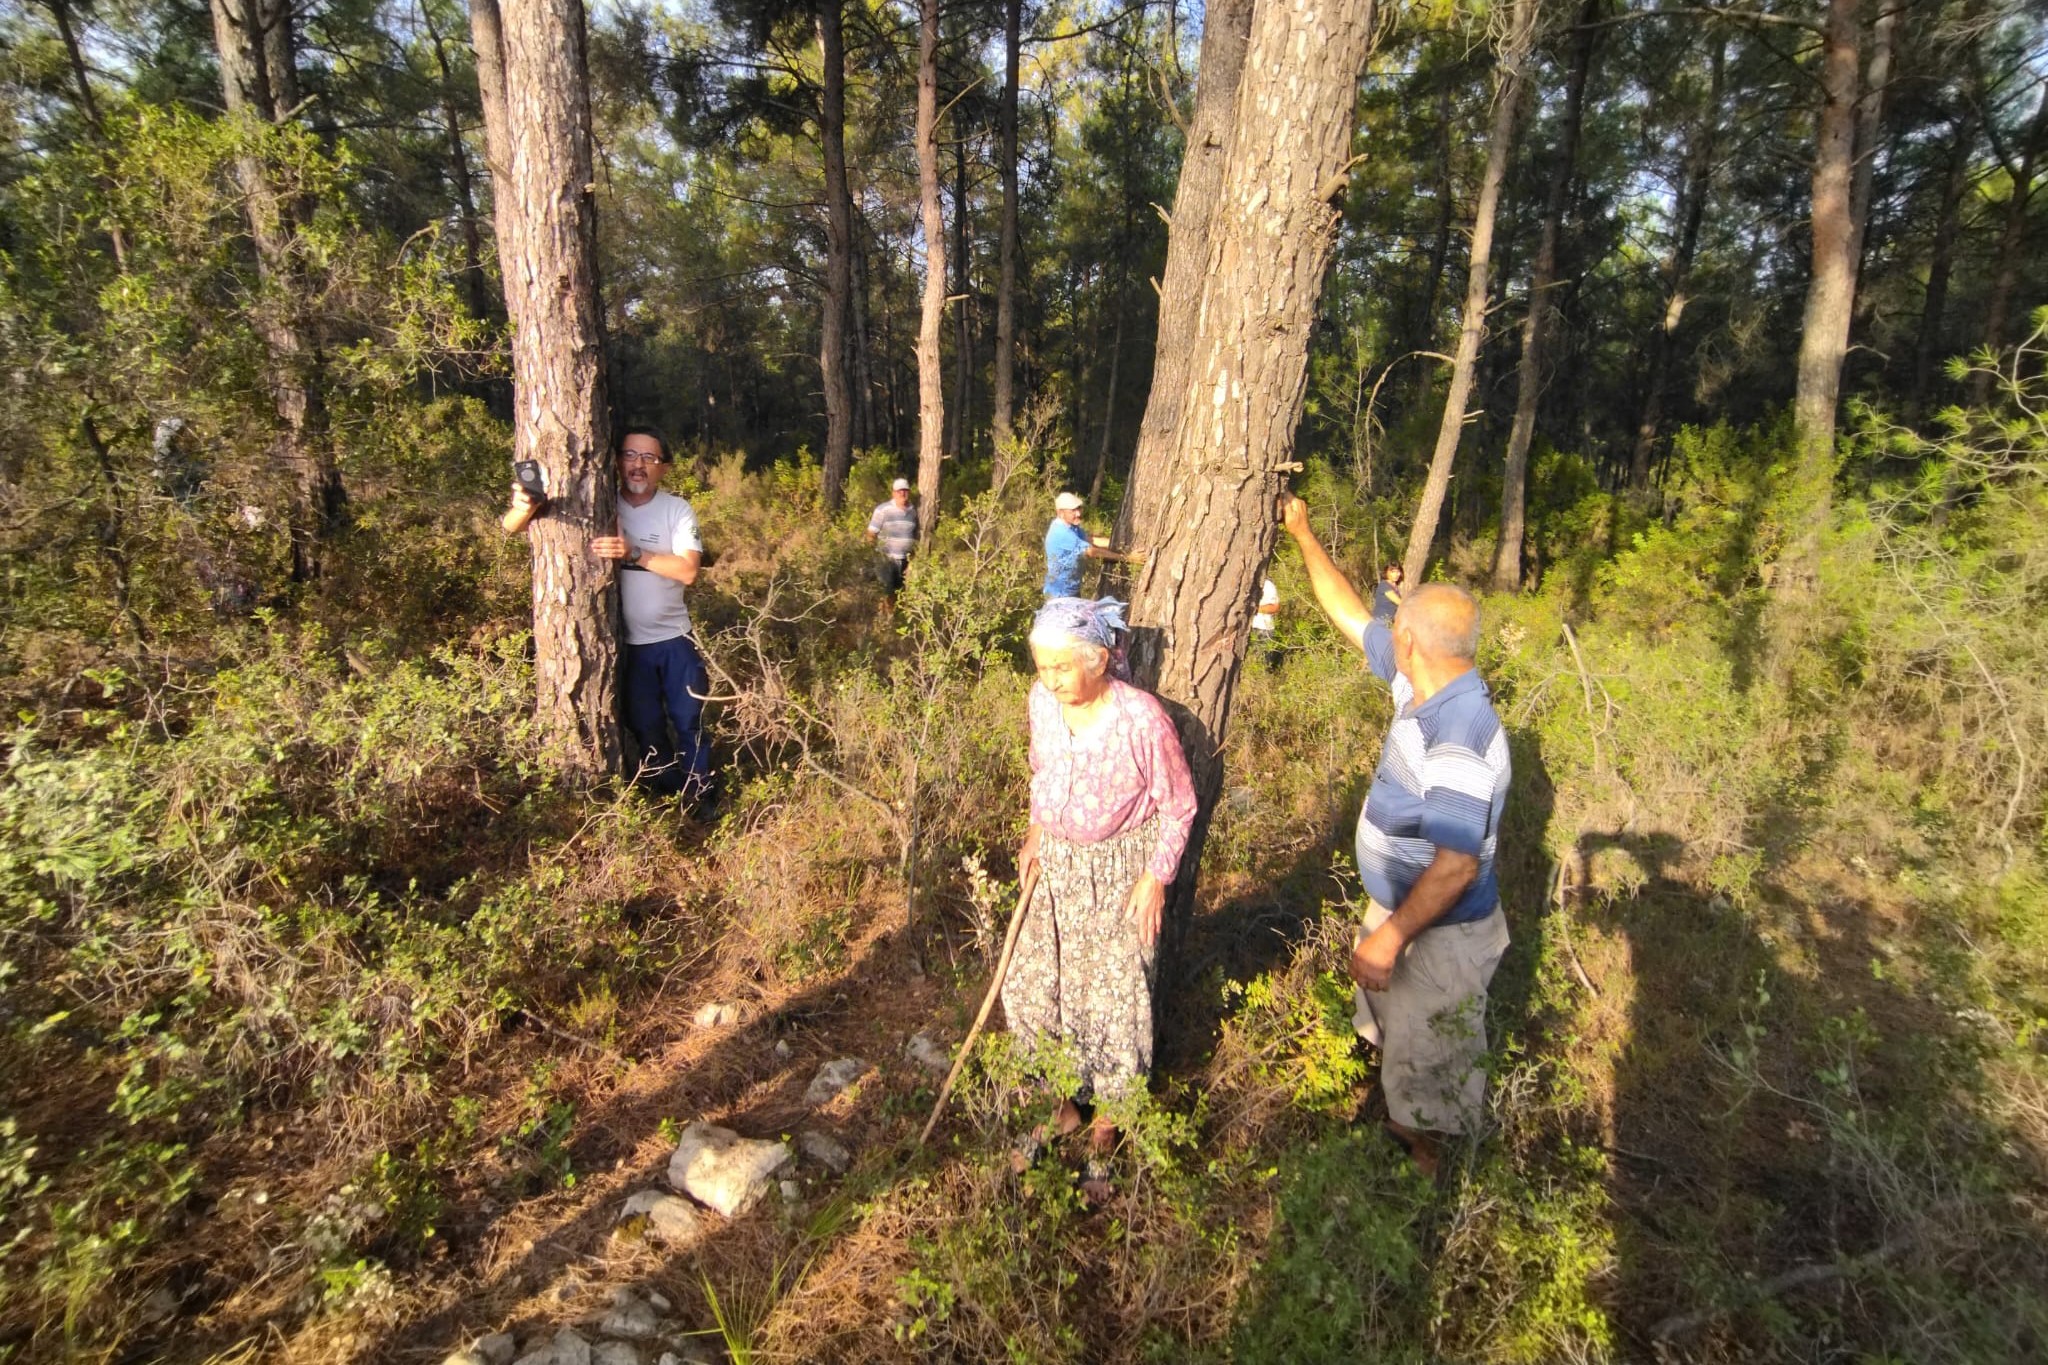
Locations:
(1426, 840)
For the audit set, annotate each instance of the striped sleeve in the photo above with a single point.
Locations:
(1457, 798)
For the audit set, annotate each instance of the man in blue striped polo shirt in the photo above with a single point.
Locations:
(1426, 840)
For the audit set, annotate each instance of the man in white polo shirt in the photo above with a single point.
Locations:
(662, 681)
(893, 529)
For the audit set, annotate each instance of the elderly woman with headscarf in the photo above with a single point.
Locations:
(1111, 807)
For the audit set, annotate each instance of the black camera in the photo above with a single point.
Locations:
(527, 474)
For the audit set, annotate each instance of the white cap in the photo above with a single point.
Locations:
(1068, 502)
(900, 486)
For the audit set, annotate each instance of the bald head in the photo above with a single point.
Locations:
(1443, 621)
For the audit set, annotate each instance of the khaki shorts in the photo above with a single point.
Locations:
(1430, 1022)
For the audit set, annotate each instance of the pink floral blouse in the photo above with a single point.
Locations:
(1092, 787)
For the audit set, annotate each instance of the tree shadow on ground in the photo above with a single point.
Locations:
(1760, 1059)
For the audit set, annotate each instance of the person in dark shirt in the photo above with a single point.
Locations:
(1386, 594)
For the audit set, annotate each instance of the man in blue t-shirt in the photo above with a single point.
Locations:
(1426, 841)
(1067, 547)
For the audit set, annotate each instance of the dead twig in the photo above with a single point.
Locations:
(1799, 1277)
(995, 988)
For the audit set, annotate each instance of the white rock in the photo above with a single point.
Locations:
(718, 1167)
(660, 1302)
(670, 1218)
(717, 1014)
(614, 1353)
(466, 1356)
(631, 1316)
(565, 1348)
(928, 1054)
(496, 1349)
(824, 1149)
(832, 1078)
(783, 1050)
(792, 1192)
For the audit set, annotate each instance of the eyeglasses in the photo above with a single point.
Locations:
(639, 457)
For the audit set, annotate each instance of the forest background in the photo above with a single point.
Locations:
(341, 1015)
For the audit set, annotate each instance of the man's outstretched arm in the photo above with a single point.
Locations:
(1334, 593)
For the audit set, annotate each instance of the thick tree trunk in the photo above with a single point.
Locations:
(833, 334)
(1006, 283)
(547, 252)
(1507, 559)
(1269, 241)
(1941, 255)
(252, 41)
(1507, 99)
(1226, 29)
(1830, 295)
(931, 384)
(2011, 245)
(1689, 212)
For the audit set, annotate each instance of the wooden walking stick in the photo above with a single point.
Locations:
(988, 1002)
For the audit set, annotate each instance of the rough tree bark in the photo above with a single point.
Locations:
(533, 58)
(1689, 212)
(833, 333)
(1507, 558)
(1269, 241)
(1226, 28)
(1006, 283)
(1830, 295)
(931, 384)
(1507, 99)
(2011, 244)
(259, 86)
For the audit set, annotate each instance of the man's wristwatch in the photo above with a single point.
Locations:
(633, 554)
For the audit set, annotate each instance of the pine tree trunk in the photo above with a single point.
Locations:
(2011, 245)
(833, 333)
(860, 347)
(1116, 355)
(963, 321)
(1001, 419)
(1269, 241)
(1869, 128)
(475, 287)
(254, 44)
(1422, 333)
(1507, 558)
(1507, 99)
(1824, 336)
(931, 384)
(1941, 254)
(1226, 29)
(547, 252)
(1689, 212)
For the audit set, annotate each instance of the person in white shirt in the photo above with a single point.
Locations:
(662, 681)
(1267, 616)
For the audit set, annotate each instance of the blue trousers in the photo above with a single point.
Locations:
(662, 688)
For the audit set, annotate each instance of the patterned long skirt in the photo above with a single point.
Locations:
(1079, 973)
